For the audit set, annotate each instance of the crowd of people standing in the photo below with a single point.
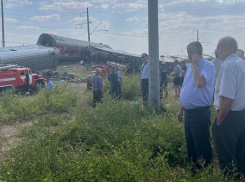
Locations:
(204, 84)
(196, 99)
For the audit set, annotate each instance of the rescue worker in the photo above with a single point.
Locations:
(113, 78)
(163, 81)
(97, 83)
(50, 84)
(62, 82)
(120, 82)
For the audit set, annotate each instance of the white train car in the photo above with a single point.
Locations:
(34, 57)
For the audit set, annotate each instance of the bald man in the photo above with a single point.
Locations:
(229, 126)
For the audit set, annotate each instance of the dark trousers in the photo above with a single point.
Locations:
(197, 123)
(97, 95)
(119, 90)
(182, 81)
(114, 90)
(229, 139)
(145, 89)
(163, 87)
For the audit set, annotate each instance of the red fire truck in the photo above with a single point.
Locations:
(20, 79)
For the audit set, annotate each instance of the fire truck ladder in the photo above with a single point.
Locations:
(2, 68)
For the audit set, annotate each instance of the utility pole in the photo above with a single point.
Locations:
(154, 85)
(3, 37)
(197, 35)
(88, 25)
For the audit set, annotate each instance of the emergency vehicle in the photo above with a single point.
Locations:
(19, 79)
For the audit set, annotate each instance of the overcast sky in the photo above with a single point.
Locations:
(124, 22)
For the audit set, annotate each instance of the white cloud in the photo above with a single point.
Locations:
(66, 6)
(104, 6)
(10, 20)
(26, 2)
(42, 18)
(132, 19)
(173, 2)
(8, 6)
(136, 32)
(128, 7)
(182, 19)
(28, 27)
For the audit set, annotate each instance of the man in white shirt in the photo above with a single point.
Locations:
(144, 75)
(217, 64)
(177, 78)
(229, 126)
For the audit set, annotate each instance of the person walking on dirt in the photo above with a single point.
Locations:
(97, 84)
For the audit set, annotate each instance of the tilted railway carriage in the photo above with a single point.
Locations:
(51, 49)
(77, 50)
(70, 49)
(32, 56)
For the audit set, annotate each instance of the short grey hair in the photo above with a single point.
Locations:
(196, 45)
(230, 42)
(97, 69)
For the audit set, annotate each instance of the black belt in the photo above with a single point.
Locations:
(198, 109)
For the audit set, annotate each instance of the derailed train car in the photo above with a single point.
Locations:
(77, 50)
(132, 61)
(33, 56)
(70, 49)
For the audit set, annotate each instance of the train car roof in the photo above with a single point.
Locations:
(7, 52)
(118, 52)
(51, 40)
(167, 60)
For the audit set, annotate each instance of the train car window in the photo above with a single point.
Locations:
(22, 72)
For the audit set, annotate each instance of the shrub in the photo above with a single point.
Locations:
(130, 88)
(116, 141)
(18, 107)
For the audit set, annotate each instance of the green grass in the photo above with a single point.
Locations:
(116, 141)
(18, 108)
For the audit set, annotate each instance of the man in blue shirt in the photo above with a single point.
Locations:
(120, 82)
(196, 99)
(144, 75)
(113, 78)
(97, 84)
(50, 84)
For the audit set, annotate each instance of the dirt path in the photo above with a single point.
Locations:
(9, 132)
(9, 136)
